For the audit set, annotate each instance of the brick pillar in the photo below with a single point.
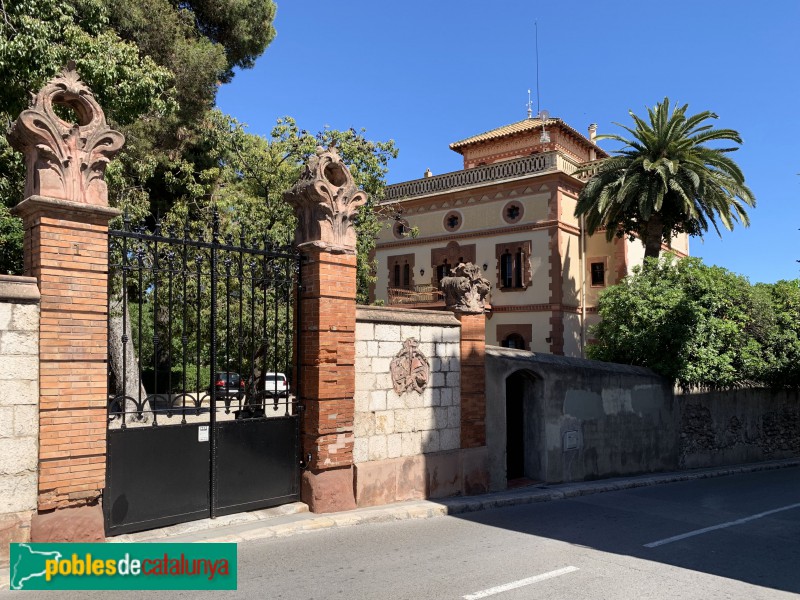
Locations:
(325, 200)
(66, 246)
(465, 291)
(65, 214)
(473, 379)
(327, 371)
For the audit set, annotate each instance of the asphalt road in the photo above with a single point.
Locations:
(726, 537)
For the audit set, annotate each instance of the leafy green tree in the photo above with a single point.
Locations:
(666, 180)
(154, 66)
(781, 332)
(697, 325)
(248, 174)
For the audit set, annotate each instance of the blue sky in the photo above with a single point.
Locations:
(426, 74)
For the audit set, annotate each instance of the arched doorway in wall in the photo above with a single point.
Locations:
(523, 430)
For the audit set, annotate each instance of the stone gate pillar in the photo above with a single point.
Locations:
(65, 214)
(464, 293)
(325, 200)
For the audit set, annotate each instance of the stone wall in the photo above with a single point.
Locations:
(580, 419)
(19, 425)
(738, 426)
(407, 445)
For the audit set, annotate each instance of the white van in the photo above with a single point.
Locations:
(275, 385)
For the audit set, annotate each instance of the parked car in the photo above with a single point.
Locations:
(276, 385)
(228, 386)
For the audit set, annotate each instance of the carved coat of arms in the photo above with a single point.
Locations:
(410, 369)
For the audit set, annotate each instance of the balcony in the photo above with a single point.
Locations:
(500, 171)
(419, 296)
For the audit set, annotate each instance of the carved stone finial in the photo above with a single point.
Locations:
(466, 289)
(409, 368)
(325, 200)
(66, 161)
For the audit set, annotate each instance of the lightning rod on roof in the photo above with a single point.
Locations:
(530, 110)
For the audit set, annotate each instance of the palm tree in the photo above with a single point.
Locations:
(665, 180)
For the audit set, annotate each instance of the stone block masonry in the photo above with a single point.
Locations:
(19, 426)
(738, 426)
(392, 425)
(408, 445)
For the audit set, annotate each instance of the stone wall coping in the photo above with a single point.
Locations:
(567, 362)
(22, 290)
(33, 204)
(405, 316)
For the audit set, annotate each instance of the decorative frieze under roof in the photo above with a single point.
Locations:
(525, 126)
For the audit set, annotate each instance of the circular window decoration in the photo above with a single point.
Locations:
(512, 212)
(452, 221)
(401, 229)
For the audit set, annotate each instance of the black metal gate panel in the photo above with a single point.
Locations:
(256, 459)
(202, 413)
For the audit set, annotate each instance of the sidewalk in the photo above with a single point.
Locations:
(294, 518)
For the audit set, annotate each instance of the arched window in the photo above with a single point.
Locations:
(513, 260)
(442, 271)
(397, 276)
(506, 268)
(514, 340)
(406, 275)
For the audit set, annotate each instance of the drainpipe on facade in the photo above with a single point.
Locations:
(583, 287)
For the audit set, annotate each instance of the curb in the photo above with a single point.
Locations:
(571, 490)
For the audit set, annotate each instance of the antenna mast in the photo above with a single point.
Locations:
(538, 104)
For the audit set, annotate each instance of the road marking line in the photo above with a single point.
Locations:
(741, 521)
(521, 583)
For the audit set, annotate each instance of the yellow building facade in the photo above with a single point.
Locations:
(510, 211)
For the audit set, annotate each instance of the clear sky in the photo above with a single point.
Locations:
(426, 74)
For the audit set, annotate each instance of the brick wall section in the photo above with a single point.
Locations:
(473, 380)
(67, 251)
(327, 346)
(19, 427)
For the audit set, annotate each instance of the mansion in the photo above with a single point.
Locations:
(511, 212)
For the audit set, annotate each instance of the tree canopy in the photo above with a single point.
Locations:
(701, 326)
(155, 67)
(666, 180)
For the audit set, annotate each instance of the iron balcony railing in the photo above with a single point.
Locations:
(508, 169)
(418, 294)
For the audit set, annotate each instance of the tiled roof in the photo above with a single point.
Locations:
(519, 127)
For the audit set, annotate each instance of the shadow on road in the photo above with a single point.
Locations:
(764, 551)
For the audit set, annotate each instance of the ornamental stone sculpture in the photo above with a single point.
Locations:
(66, 161)
(465, 290)
(325, 200)
(409, 368)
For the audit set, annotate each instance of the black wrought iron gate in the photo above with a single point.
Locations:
(202, 412)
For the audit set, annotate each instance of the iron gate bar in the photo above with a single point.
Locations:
(212, 464)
